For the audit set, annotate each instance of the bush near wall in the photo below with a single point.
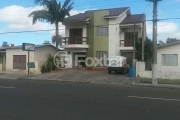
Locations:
(48, 65)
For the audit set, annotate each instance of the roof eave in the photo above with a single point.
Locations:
(131, 24)
(109, 17)
(166, 45)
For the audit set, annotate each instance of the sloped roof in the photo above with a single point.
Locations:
(136, 18)
(169, 44)
(77, 17)
(83, 16)
(36, 46)
(20, 47)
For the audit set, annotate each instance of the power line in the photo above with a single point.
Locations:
(144, 11)
(29, 31)
(165, 19)
(148, 10)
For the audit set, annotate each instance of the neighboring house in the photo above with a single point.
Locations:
(15, 59)
(96, 33)
(168, 62)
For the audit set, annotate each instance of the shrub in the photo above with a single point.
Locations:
(43, 69)
(49, 65)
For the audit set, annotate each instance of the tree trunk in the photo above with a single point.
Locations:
(57, 34)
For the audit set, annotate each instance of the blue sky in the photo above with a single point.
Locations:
(13, 17)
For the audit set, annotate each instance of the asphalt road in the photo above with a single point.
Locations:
(52, 100)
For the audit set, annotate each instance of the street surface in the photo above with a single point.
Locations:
(53, 100)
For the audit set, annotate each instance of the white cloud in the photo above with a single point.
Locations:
(165, 30)
(16, 18)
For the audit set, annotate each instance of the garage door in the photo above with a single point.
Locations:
(129, 56)
(19, 62)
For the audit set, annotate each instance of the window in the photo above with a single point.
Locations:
(75, 36)
(169, 60)
(19, 61)
(130, 36)
(104, 55)
(102, 31)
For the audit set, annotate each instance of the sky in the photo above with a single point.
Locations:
(14, 18)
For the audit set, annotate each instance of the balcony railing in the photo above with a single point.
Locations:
(126, 43)
(75, 40)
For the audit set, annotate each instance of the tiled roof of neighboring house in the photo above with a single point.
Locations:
(137, 18)
(83, 16)
(20, 47)
(169, 44)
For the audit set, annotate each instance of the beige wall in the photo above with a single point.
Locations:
(9, 57)
(0, 67)
(41, 54)
(173, 49)
(163, 72)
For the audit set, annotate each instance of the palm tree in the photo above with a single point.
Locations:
(57, 40)
(54, 13)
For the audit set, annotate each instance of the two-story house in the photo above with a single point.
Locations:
(97, 33)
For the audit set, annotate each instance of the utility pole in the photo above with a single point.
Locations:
(143, 39)
(154, 65)
(134, 39)
(134, 43)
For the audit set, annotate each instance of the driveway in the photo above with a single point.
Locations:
(83, 75)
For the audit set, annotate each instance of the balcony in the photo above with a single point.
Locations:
(126, 44)
(75, 42)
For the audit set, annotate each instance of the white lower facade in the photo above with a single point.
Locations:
(78, 57)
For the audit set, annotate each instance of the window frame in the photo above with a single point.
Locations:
(168, 61)
(102, 31)
(19, 62)
(100, 54)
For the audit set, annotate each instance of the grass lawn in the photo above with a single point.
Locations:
(161, 81)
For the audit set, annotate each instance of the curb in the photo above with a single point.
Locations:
(157, 86)
(60, 80)
(92, 82)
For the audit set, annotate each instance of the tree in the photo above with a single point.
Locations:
(148, 49)
(160, 42)
(171, 40)
(54, 13)
(57, 40)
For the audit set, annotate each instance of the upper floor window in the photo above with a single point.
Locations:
(102, 31)
(130, 35)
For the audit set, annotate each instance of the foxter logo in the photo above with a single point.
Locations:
(62, 60)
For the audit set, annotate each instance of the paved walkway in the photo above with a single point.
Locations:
(11, 75)
(83, 75)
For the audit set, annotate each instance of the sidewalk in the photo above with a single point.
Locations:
(5, 75)
(83, 75)
(157, 86)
